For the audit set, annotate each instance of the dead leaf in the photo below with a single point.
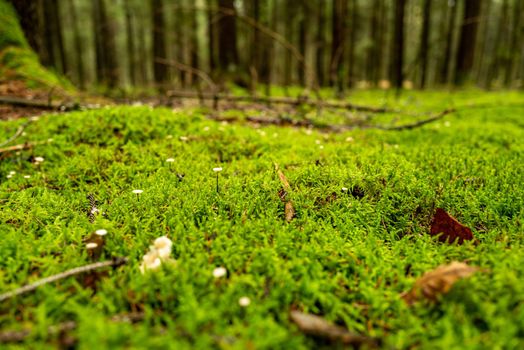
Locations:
(283, 178)
(289, 210)
(438, 281)
(320, 327)
(449, 228)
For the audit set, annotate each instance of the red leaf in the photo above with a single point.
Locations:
(449, 229)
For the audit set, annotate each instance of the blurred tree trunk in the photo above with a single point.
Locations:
(337, 65)
(77, 42)
(352, 44)
(288, 33)
(53, 38)
(29, 14)
(514, 43)
(105, 48)
(212, 31)
(227, 37)
(193, 45)
(158, 29)
(499, 60)
(254, 65)
(424, 42)
(446, 60)
(397, 52)
(373, 61)
(303, 21)
(468, 36)
(130, 44)
(320, 43)
(483, 44)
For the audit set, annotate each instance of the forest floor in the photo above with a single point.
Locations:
(305, 222)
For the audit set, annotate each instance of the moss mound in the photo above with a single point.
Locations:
(17, 59)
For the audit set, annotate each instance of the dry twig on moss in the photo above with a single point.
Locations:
(72, 272)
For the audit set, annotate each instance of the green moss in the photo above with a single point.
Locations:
(348, 259)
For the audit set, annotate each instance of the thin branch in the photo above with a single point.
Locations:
(301, 100)
(186, 68)
(16, 134)
(22, 102)
(72, 272)
(417, 123)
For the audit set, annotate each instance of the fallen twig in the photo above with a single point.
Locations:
(21, 146)
(23, 102)
(75, 271)
(415, 124)
(301, 100)
(18, 132)
(18, 336)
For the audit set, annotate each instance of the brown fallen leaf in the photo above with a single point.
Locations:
(289, 210)
(448, 228)
(320, 327)
(438, 281)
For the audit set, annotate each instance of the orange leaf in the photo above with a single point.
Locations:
(449, 228)
(438, 281)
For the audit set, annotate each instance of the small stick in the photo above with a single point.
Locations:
(75, 271)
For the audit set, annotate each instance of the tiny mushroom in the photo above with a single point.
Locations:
(91, 245)
(219, 272)
(101, 232)
(217, 170)
(244, 301)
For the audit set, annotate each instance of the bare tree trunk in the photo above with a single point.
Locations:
(227, 38)
(485, 30)
(320, 43)
(211, 34)
(338, 32)
(352, 44)
(288, 74)
(301, 73)
(468, 36)
(78, 52)
(30, 21)
(105, 49)
(397, 54)
(131, 46)
(446, 60)
(514, 44)
(372, 62)
(424, 43)
(159, 43)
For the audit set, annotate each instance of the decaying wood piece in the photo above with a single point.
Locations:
(320, 327)
(438, 281)
(23, 102)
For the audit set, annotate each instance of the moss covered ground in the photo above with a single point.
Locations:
(17, 59)
(345, 257)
